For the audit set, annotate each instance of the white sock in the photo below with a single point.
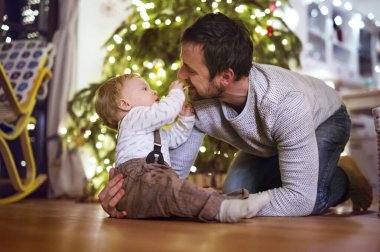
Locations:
(232, 210)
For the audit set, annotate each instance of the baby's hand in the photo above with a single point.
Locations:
(176, 84)
(187, 110)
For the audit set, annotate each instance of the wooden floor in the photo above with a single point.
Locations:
(41, 225)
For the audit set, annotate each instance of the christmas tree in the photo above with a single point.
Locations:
(147, 42)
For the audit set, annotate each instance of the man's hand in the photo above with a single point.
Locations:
(111, 195)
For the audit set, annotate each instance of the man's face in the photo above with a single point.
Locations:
(195, 73)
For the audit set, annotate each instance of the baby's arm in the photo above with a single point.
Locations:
(180, 131)
(164, 112)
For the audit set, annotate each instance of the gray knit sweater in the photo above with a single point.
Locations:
(282, 111)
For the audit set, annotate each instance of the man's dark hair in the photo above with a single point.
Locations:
(226, 43)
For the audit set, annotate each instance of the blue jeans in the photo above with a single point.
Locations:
(258, 174)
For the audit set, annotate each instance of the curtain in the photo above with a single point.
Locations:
(65, 171)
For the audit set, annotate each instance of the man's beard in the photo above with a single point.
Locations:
(193, 94)
(213, 92)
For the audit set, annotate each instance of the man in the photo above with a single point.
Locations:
(290, 129)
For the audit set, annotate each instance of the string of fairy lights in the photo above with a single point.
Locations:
(29, 16)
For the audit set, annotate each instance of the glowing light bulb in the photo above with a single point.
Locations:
(240, 8)
(99, 169)
(202, 149)
(144, 15)
(338, 20)
(146, 25)
(110, 47)
(337, 3)
(148, 64)
(117, 38)
(127, 47)
(149, 6)
(174, 66)
(94, 117)
(4, 27)
(111, 59)
(161, 72)
(324, 10)
(31, 126)
(258, 29)
(193, 169)
(348, 6)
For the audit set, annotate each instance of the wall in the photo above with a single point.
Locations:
(96, 23)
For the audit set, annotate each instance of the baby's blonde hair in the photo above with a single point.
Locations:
(107, 98)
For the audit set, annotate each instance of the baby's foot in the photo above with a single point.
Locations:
(232, 210)
(360, 190)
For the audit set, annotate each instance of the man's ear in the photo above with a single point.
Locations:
(227, 77)
(124, 105)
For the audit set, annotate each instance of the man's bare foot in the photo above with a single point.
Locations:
(360, 189)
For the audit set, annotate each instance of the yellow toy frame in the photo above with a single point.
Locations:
(23, 186)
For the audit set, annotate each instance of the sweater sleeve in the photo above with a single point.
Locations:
(179, 131)
(145, 119)
(183, 157)
(294, 132)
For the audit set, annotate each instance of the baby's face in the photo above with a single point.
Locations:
(138, 92)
